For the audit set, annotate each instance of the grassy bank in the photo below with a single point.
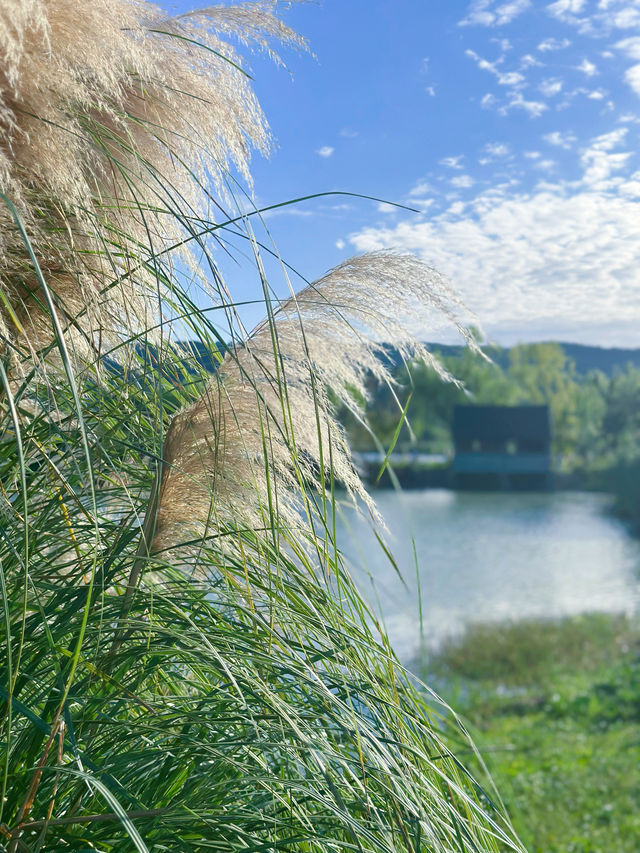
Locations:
(555, 710)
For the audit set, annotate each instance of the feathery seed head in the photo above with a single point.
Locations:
(113, 119)
(267, 422)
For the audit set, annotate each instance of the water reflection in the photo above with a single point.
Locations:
(491, 557)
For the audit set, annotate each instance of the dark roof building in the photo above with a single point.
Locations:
(504, 447)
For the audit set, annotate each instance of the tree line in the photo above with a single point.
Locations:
(595, 416)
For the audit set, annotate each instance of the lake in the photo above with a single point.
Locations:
(490, 557)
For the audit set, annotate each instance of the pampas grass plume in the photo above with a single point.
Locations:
(113, 120)
(266, 424)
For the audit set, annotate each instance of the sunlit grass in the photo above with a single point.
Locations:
(554, 707)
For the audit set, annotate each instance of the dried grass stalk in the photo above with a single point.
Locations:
(113, 119)
(267, 421)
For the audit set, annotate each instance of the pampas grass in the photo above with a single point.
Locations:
(239, 695)
(114, 120)
(265, 427)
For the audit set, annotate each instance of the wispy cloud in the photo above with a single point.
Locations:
(560, 139)
(503, 43)
(529, 61)
(325, 151)
(513, 79)
(486, 13)
(420, 189)
(600, 160)
(462, 182)
(566, 10)
(452, 162)
(632, 77)
(587, 68)
(518, 102)
(553, 44)
(562, 260)
(497, 149)
(608, 16)
(629, 118)
(630, 47)
(550, 87)
(545, 165)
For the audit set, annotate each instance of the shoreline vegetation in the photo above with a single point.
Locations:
(595, 416)
(554, 707)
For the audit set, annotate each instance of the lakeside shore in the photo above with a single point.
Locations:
(433, 471)
(554, 707)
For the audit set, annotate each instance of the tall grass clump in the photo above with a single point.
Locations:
(186, 664)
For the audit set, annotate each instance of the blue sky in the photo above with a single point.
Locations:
(511, 126)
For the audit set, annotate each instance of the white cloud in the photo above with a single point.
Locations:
(508, 11)
(340, 244)
(562, 260)
(511, 78)
(452, 162)
(587, 68)
(532, 155)
(289, 210)
(483, 64)
(504, 78)
(348, 133)
(533, 108)
(485, 13)
(488, 101)
(609, 141)
(384, 207)
(422, 204)
(561, 140)
(632, 77)
(462, 182)
(600, 161)
(535, 266)
(610, 15)
(497, 149)
(630, 47)
(325, 151)
(564, 9)
(529, 61)
(420, 189)
(596, 94)
(478, 14)
(553, 44)
(627, 19)
(504, 44)
(550, 87)
(545, 165)
(431, 91)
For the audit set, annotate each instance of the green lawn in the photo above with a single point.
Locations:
(555, 710)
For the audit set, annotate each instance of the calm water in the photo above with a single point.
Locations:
(490, 557)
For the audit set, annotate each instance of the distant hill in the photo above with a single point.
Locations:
(600, 358)
(586, 358)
